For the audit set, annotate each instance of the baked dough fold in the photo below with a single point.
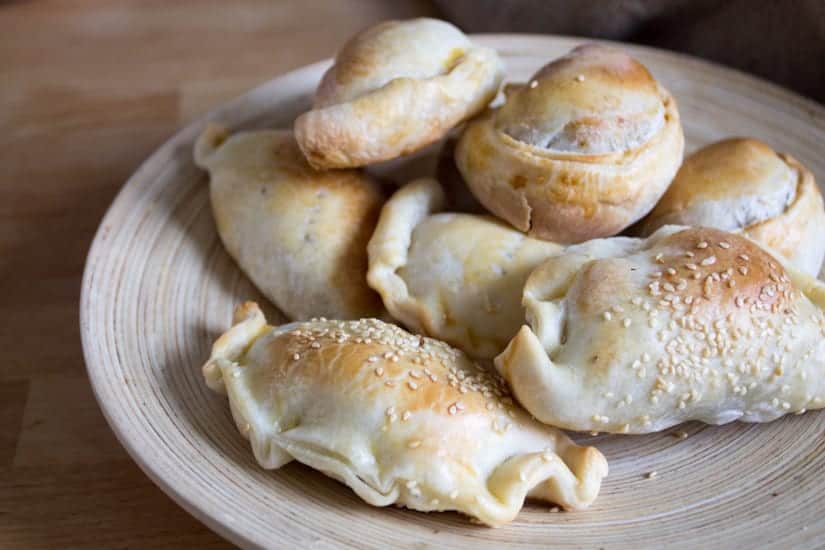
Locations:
(394, 89)
(398, 418)
(455, 277)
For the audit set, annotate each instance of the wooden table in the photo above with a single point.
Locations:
(87, 91)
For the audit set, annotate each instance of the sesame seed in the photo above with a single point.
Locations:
(660, 258)
(724, 245)
(689, 254)
(743, 270)
(607, 316)
(650, 475)
(379, 372)
(626, 323)
(414, 443)
(680, 434)
(710, 260)
(412, 385)
(579, 78)
(295, 356)
(743, 257)
(555, 510)
(315, 345)
(702, 245)
(731, 283)
(533, 84)
(691, 266)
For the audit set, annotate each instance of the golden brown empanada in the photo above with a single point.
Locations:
(584, 150)
(395, 88)
(455, 277)
(634, 336)
(743, 184)
(299, 234)
(398, 418)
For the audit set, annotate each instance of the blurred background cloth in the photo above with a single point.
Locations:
(781, 40)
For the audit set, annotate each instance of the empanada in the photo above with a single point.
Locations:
(455, 277)
(635, 336)
(398, 418)
(743, 184)
(395, 88)
(584, 150)
(299, 234)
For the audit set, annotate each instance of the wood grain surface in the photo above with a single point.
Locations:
(159, 287)
(87, 91)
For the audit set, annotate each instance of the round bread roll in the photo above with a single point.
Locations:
(395, 88)
(582, 151)
(743, 184)
(299, 234)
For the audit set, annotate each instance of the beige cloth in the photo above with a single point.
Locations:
(781, 40)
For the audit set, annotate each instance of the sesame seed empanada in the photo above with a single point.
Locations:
(298, 233)
(395, 88)
(456, 277)
(635, 336)
(399, 418)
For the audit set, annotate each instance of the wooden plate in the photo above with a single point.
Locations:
(158, 288)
